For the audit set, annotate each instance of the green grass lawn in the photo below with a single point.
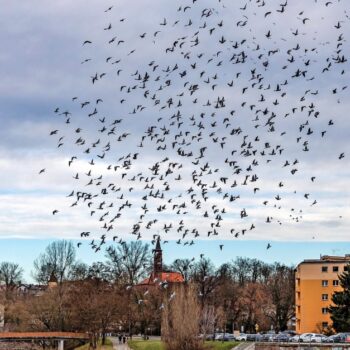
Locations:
(218, 345)
(108, 346)
(146, 345)
(157, 345)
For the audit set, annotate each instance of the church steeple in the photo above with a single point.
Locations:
(52, 283)
(158, 259)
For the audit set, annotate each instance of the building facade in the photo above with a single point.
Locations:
(315, 282)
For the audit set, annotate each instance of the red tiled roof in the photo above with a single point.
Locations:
(170, 277)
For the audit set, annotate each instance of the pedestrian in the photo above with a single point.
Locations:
(124, 339)
(120, 338)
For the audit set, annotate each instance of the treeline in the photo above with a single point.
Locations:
(104, 296)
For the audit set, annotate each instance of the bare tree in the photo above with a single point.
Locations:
(280, 293)
(207, 278)
(10, 277)
(184, 266)
(79, 271)
(228, 297)
(96, 307)
(10, 274)
(129, 262)
(50, 311)
(241, 270)
(147, 308)
(58, 258)
(101, 271)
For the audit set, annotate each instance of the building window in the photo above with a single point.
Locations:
(335, 283)
(335, 268)
(325, 310)
(345, 268)
(324, 296)
(324, 268)
(324, 324)
(324, 283)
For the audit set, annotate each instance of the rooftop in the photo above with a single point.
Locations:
(163, 277)
(328, 259)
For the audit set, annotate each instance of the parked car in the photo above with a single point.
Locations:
(254, 337)
(218, 335)
(225, 337)
(318, 338)
(332, 338)
(241, 337)
(305, 337)
(311, 338)
(290, 332)
(268, 336)
(281, 337)
(207, 336)
(295, 338)
(339, 338)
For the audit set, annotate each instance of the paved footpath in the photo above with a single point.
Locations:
(117, 346)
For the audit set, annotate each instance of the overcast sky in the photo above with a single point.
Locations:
(41, 70)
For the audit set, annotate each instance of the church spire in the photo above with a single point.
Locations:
(158, 244)
(158, 259)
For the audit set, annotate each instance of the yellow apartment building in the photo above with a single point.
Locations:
(315, 282)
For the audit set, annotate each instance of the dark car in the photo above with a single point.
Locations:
(282, 337)
(254, 337)
(268, 336)
(228, 337)
(339, 338)
(290, 332)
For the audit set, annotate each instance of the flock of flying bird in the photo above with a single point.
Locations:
(206, 103)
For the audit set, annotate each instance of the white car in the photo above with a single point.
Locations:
(311, 338)
(225, 337)
(241, 337)
(295, 338)
(318, 338)
(218, 336)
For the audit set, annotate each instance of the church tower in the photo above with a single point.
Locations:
(158, 259)
(159, 276)
(53, 282)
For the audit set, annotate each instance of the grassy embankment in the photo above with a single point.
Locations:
(157, 345)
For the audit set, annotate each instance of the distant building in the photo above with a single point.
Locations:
(52, 283)
(158, 275)
(315, 282)
(31, 289)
